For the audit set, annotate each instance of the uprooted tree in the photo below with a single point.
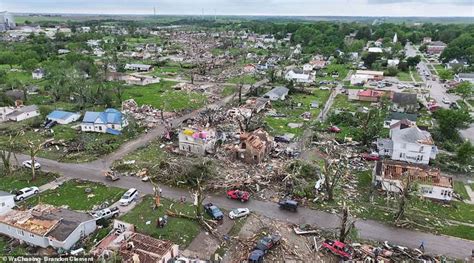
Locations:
(347, 224)
(335, 167)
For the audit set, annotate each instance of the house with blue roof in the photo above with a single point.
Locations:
(110, 121)
(63, 117)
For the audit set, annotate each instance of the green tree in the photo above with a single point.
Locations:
(449, 121)
(445, 74)
(9, 58)
(413, 61)
(465, 89)
(29, 64)
(465, 153)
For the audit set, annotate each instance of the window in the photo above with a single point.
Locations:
(422, 148)
(2, 204)
(31, 235)
(20, 232)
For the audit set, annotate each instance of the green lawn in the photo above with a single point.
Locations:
(416, 76)
(73, 194)
(340, 68)
(167, 71)
(341, 102)
(22, 178)
(404, 76)
(162, 95)
(179, 230)
(245, 79)
(145, 157)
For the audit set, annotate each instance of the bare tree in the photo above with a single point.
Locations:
(407, 187)
(335, 167)
(346, 223)
(6, 153)
(34, 147)
(240, 86)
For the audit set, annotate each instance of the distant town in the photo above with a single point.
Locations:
(236, 139)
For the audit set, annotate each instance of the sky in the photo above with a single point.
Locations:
(427, 8)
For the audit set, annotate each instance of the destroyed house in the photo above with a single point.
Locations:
(47, 226)
(404, 102)
(147, 249)
(254, 147)
(197, 141)
(391, 176)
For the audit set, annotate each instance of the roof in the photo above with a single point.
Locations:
(369, 72)
(147, 248)
(401, 116)
(2, 193)
(38, 71)
(395, 170)
(109, 116)
(404, 98)
(22, 110)
(412, 135)
(437, 43)
(466, 75)
(46, 220)
(371, 93)
(278, 91)
(62, 115)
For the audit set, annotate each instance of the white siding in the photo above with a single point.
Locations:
(412, 152)
(6, 203)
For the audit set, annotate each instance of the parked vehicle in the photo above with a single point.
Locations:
(26, 192)
(213, 211)
(338, 248)
(111, 176)
(106, 213)
(27, 164)
(288, 204)
(371, 156)
(129, 196)
(239, 212)
(256, 256)
(268, 242)
(242, 196)
(446, 101)
(334, 129)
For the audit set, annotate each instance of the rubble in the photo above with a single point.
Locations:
(146, 115)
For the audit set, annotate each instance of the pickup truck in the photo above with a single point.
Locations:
(106, 213)
(213, 211)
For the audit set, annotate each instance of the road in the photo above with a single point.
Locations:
(437, 91)
(367, 229)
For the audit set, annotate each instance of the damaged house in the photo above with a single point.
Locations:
(278, 93)
(197, 141)
(254, 146)
(408, 143)
(388, 176)
(47, 226)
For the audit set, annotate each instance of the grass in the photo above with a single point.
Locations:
(147, 157)
(404, 76)
(342, 102)
(416, 76)
(73, 194)
(162, 96)
(424, 118)
(179, 230)
(245, 79)
(340, 68)
(22, 178)
(167, 71)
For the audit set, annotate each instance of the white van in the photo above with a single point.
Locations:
(129, 196)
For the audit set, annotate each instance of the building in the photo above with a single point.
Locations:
(464, 77)
(371, 95)
(375, 50)
(37, 73)
(404, 102)
(197, 141)
(7, 202)
(408, 143)
(139, 67)
(140, 80)
(393, 62)
(298, 76)
(47, 226)
(131, 246)
(426, 40)
(395, 117)
(277, 93)
(254, 146)
(63, 117)
(456, 63)
(435, 48)
(7, 21)
(110, 121)
(390, 176)
(23, 113)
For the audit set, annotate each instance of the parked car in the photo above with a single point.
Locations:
(371, 156)
(338, 248)
(129, 196)
(446, 101)
(242, 196)
(239, 212)
(28, 163)
(26, 192)
(106, 213)
(256, 256)
(288, 204)
(268, 242)
(454, 105)
(334, 129)
(214, 211)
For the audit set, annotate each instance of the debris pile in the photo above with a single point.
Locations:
(145, 115)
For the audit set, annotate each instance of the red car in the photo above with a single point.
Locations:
(370, 156)
(242, 196)
(334, 129)
(338, 248)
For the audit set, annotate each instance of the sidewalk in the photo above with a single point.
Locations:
(53, 184)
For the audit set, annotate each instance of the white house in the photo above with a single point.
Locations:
(464, 77)
(138, 67)
(47, 226)
(359, 79)
(141, 80)
(278, 93)
(197, 141)
(391, 176)
(4, 111)
(393, 62)
(408, 143)
(110, 121)
(23, 113)
(63, 117)
(37, 73)
(375, 50)
(7, 202)
(298, 76)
